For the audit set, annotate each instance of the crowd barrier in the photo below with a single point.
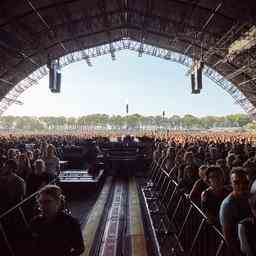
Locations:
(180, 225)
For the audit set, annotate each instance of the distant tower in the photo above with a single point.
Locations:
(127, 112)
(126, 107)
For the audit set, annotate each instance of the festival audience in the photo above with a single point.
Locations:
(12, 187)
(203, 165)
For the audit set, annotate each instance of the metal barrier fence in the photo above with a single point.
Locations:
(180, 225)
(15, 235)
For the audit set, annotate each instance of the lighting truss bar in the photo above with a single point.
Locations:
(86, 58)
(245, 42)
(112, 51)
(235, 73)
(236, 28)
(140, 51)
(14, 101)
(127, 44)
(206, 24)
(7, 82)
(102, 8)
(250, 80)
(51, 32)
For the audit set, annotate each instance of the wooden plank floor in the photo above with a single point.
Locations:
(136, 228)
(93, 222)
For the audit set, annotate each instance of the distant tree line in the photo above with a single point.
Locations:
(117, 122)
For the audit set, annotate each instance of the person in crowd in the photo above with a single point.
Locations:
(3, 160)
(200, 185)
(234, 208)
(190, 177)
(24, 166)
(36, 155)
(43, 148)
(30, 155)
(38, 178)
(174, 172)
(170, 160)
(250, 168)
(246, 230)
(213, 154)
(213, 196)
(207, 159)
(222, 164)
(18, 153)
(230, 159)
(55, 232)
(200, 154)
(52, 162)
(12, 154)
(12, 187)
(188, 159)
(238, 162)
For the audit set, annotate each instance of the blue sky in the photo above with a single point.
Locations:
(150, 85)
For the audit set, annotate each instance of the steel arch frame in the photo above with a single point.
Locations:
(125, 44)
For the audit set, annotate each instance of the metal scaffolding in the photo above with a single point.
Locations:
(136, 46)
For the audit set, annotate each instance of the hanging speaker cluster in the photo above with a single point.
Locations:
(196, 77)
(54, 76)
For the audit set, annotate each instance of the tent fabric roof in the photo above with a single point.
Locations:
(33, 31)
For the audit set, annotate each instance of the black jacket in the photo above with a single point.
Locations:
(60, 237)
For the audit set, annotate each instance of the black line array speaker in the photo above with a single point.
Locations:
(54, 78)
(196, 79)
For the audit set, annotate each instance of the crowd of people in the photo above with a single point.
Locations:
(23, 172)
(218, 173)
(30, 166)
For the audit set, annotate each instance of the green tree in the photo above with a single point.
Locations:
(8, 122)
(190, 121)
(175, 121)
(116, 122)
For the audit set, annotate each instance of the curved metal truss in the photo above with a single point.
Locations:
(126, 44)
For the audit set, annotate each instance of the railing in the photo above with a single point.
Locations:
(14, 226)
(180, 225)
(196, 236)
